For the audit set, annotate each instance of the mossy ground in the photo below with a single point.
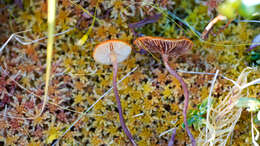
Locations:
(78, 81)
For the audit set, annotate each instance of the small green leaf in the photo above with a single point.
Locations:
(229, 8)
(258, 61)
(252, 104)
(203, 107)
(249, 9)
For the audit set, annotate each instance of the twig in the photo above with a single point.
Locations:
(211, 24)
(14, 35)
(205, 73)
(143, 22)
(5, 111)
(165, 132)
(137, 115)
(9, 39)
(3, 46)
(257, 81)
(37, 40)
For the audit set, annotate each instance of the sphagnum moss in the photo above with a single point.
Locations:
(225, 52)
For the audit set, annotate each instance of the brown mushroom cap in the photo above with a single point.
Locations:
(171, 47)
(102, 51)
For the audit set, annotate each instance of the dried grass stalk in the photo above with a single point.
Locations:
(223, 116)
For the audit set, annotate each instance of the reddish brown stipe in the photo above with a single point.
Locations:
(170, 48)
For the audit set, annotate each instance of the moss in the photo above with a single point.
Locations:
(78, 82)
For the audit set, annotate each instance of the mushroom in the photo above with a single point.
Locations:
(169, 48)
(113, 52)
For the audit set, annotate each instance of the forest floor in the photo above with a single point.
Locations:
(152, 99)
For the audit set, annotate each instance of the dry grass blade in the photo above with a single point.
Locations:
(51, 30)
(210, 101)
(224, 115)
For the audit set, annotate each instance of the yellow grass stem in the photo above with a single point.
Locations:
(51, 31)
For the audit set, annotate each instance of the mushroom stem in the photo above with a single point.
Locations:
(171, 142)
(120, 111)
(186, 95)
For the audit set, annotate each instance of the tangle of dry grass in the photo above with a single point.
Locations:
(224, 115)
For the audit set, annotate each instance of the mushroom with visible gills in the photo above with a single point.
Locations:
(114, 52)
(169, 48)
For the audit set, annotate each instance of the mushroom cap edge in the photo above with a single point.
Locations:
(102, 51)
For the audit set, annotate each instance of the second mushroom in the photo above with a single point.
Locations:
(114, 52)
(169, 48)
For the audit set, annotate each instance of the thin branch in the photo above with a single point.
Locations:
(211, 24)
(148, 20)
(137, 115)
(205, 73)
(17, 37)
(165, 132)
